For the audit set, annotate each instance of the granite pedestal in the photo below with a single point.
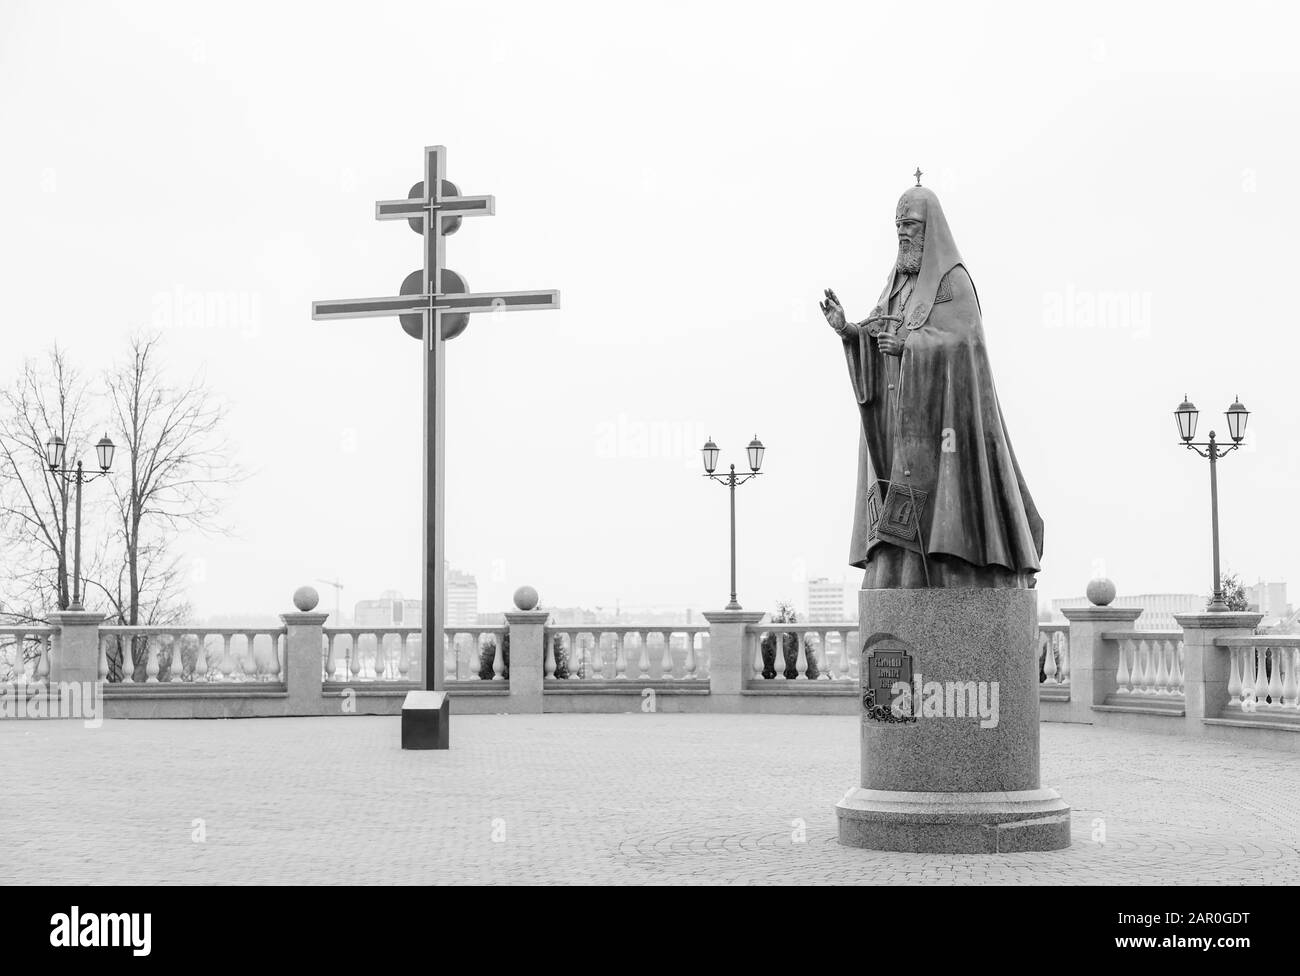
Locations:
(426, 720)
(951, 764)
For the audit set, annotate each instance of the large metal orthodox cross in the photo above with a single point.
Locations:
(434, 305)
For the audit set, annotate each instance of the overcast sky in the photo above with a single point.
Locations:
(1120, 182)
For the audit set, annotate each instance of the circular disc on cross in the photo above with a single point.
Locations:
(449, 224)
(452, 324)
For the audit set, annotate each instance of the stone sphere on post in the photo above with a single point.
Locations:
(305, 598)
(1101, 592)
(526, 598)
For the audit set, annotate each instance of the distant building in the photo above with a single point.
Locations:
(1269, 599)
(392, 610)
(462, 599)
(1158, 609)
(825, 601)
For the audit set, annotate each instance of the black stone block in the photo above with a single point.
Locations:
(426, 720)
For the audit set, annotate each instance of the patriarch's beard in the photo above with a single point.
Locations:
(909, 254)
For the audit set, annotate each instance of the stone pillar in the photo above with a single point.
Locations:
(731, 656)
(1206, 667)
(950, 756)
(304, 648)
(527, 652)
(1093, 661)
(75, 651)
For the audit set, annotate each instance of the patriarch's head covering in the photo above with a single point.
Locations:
(938, 255)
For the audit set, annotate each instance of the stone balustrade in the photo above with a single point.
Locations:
(1213, 677)
(152, 655)
(1054, 662)
(25, 654)
(641, 653)
(1263, 680)
(1150, 667)
(806, 651)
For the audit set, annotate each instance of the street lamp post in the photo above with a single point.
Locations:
(54, 451)
(755, 451)
(1237, 415)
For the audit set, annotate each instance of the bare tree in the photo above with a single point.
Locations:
(47, 398)
(176, 464)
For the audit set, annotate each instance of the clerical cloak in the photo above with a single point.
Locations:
(935, 462)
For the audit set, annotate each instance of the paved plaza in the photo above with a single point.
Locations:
(573, 799)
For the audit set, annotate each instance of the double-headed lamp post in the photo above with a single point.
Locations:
(731, 480)
(1237, 415)
(54, 451)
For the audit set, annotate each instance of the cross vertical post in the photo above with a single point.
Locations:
(432, 615)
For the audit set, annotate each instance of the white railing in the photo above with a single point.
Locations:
(25, 654)
(675, 652)
(1054, 655)
(791, 652)
(395, 653)
(1263, 674)
(1150, 663)
(144, 655)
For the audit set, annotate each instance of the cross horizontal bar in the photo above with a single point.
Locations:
(360, 308)
(448, 207)
(503, 301)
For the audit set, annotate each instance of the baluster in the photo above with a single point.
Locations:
(223, 665)
(758, 656)
(273, 658)
(1288, 659)
(666, 662)
(151, 660)
(1179, 685)
(177, 669)
(643, 658)
(1062, 641)
(801, 656)
(548, 662)
(200, 659)
(266, 661)
(1146, 671)
(1123, 677)
(690, 663)
(404, 660)
(103, 659)
(1049, 659)
(499, 660)
(575, 654)
(250, 658)
(1161, 678)
(472, 646)
(620, 656)
(331, 664)
(597, 656)
(16, 659)
(1234, 676)
(1274, 678)
(1247, 672)
(354, 654)
(824, 656)
(42, 669)
(1261, 679)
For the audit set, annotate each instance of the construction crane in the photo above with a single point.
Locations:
(338, 590)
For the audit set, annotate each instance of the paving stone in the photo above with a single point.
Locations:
(582, 799)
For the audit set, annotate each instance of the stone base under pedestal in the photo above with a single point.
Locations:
(954, 823)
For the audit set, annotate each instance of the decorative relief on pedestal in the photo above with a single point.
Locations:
(888, 663)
